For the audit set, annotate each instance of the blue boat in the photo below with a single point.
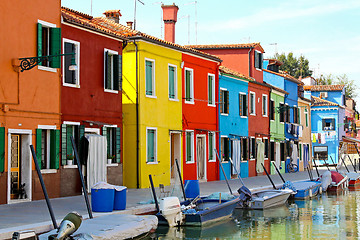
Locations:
(196, 212)
(306, 189)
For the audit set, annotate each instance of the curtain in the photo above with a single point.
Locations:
(236, 156)
(260, 156)
(306, 156)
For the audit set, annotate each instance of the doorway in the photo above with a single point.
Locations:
(19, 166)
(201, 157)
(175, 154)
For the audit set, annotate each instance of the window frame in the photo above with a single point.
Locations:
(175, 98)
(282, 114)
(224, 103)
(265, 112)
(272, 110)
(191, 146)
(191, 101)
(306, 117)
(155, 145)
(243, 112)
(258, 55)
(266, 147)
(332, 121)
(213, 90)
(252, 104)
(211, 147)
(112, 52)
(47, 25)
(252, 148)
(77, 61)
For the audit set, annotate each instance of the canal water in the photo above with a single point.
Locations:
(329, 216)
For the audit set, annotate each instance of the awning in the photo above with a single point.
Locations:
(350, 139)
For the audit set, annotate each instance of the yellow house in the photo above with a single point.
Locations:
(152, 111)
(305, 145)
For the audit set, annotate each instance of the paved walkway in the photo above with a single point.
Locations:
(35, 215)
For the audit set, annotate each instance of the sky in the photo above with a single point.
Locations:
(326, 32)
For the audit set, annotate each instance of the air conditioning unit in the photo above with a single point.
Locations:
(323, 94)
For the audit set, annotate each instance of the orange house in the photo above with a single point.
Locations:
(29, 99)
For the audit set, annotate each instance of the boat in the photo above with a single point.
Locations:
(306, 189)
(354, 179)
(269, 198)
(338, 182)
(195, 212)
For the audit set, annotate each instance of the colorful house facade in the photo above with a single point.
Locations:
(233, 118)
(305, 145)
(91, 96)
(30, 99)
(248, 59)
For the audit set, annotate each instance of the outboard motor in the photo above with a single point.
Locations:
(170, 209)
(245, 195)
(68, 226)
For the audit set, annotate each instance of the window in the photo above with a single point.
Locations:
(328, 124)
(272, 151)
(113, 138)
(151, 145)
(287, 113)
(323, 94)
(272, 110)
(48, 43)
(296, 115)
(68, 130)
(258, 60)
(265, 105)
(243, 104)
(225, 149)
(189, 146)
(211, 89)
(273, 67)
(252, 103)
(71, 75)
(321, 152)
(113, 70)
(244, 150)
(224, 101)
(306, 117)
(282, 152)
(266, 148)
(282, 112)
(211, 146)
(252, 148)
(172, 82)
(47, 148)
(189, 85)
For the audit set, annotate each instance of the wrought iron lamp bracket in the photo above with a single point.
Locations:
(31, 62)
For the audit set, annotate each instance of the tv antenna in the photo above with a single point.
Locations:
(135, 11)
(195, 3)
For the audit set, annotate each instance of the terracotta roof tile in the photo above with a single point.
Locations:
(318, 88)
(229, 71)
(322, 102)
(284, 75)
(227, 46)
(277, 89)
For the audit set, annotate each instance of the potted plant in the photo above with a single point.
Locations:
(110, 158)
(69, 159)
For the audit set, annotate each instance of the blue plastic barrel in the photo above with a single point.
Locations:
(102, 200)
(192, 188)
(120, 200)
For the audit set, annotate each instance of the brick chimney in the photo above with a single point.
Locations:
(170, 18)
(129, 24)
(113, 15)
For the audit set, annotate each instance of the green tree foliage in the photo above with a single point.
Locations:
(350, 86)
(296, 67)
(325, 79)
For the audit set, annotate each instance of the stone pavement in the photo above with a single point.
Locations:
(34, 215)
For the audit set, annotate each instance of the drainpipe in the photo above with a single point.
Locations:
(250, 61)
(137, 117)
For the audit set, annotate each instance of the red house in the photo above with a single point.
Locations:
(91, 96)
(247, 59)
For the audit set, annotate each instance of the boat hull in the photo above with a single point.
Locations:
(306, 189)
(343, 184)
(270, 198)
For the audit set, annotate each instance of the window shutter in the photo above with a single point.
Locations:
(188, 146)
(150, 146)
(260, 60)
(107, 70)
(227, 101)
(39, 41)
(54, 149)
(69, 133)
(38, 146)
(55, 46)
(116, 72)
(323, 124)
(221, 101)
(63, 144)
(187, 85)
(210, 89)
(210, 146)
(148, 74)
(245, 105)
(240, 105)
(171, 82)
(2, 149)
(256, 60)
(120, 73)
(118, 144)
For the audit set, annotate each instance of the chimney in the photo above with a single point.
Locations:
(130, 24)
(113, 15)
(170, 18)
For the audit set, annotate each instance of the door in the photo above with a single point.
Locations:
(277, 154)
(15, 173)
(175, 153)
(200, 157)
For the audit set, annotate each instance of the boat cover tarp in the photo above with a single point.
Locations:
(353, 175)
(336, 177)
(224, 196)
(289, 185)
(326, 180)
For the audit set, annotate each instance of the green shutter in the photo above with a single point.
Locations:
(39, 40)
(107, 70)
(119, 83)
(55, 46)
(171, 82)
(188, 147)
(2, 149)
(38, 146)
(211, 145)
(187, 85)
(150, 146)
(69, 133)
(63, 144)
(221, 101)
(54, 149)
(149, 76)
(116, 72)
(118, 144)
(210, 90)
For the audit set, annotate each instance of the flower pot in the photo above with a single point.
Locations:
(69, 162)
(109, 161)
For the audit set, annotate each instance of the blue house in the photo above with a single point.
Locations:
(327, 120)
(290, 109)
(233, 120)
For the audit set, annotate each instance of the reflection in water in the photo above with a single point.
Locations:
(330, 216)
